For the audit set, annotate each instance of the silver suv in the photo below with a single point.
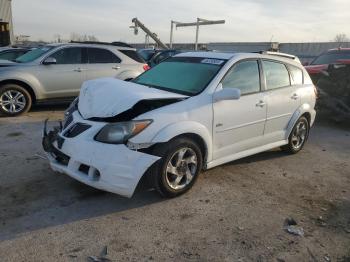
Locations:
(57, 71)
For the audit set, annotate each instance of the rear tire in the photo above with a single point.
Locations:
(178, 169)
(298, 136)
(14, 100)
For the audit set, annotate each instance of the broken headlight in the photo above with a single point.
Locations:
(120, 133)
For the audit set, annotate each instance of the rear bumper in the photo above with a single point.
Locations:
(112, 168)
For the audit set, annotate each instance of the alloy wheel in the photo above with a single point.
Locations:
(181, 168)
(299, 135)
(12, 101)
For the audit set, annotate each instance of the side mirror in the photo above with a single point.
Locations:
(227, 94)
(50, 61)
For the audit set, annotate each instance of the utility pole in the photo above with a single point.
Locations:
(197, 24)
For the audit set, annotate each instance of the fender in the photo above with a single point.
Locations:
(183, 127)
(304, 108)
(127, 74)
(26, 78)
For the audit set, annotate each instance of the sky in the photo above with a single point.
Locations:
(246, 20)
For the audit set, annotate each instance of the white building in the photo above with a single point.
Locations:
(6, 25)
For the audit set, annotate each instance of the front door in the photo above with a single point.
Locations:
(64, 78)
(239, 124)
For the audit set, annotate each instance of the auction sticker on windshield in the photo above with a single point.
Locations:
(212, 61)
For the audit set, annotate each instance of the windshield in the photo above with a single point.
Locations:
(183, 75)
(34, 54)
(330, 58)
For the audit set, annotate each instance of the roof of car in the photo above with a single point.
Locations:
(227, 56)
(215, 55)
(340, 49)
(91, 45)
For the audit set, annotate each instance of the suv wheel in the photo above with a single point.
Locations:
(177, 170)
(298, 136)
(14, 100)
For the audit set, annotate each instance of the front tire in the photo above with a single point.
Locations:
(298, 136)
(178, 169)
(14, 100)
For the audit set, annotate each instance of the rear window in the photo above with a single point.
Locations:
(102, 56)
(133, 55)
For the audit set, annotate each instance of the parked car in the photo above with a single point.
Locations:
(192, 112)
(147, 53)
(57, 71)
(11, 53)
(321, 62)
(161, 55)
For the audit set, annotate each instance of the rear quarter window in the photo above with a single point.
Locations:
(297, 75)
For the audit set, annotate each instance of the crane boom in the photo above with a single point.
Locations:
(137, 24)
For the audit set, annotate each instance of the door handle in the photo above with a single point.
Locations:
(261, 103)
(294, 96)
(116, 67)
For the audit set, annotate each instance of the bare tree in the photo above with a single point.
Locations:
(341, 38)
(82, 38)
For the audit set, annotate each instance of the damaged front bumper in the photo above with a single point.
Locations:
(109, 167)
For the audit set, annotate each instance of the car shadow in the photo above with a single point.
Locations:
(57, 200)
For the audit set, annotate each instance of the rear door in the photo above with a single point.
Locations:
(102, 63)
(282, 98)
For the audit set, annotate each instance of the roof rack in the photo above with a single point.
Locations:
(121, 44)
(284, 55)
(278, 54)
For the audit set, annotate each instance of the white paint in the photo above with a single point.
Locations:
(230, 129)
(106, 97)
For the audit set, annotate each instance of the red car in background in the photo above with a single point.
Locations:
(332, 56)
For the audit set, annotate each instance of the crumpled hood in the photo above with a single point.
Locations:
(108, 97)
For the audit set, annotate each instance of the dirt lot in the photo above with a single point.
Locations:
(234, 212)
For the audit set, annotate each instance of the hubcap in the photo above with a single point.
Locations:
(299, 135)
(181, 168)
(12, 101)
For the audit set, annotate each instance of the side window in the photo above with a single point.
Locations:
(102, 56)
(244, 76)
(297, 75)
(70, 55)
(276, 75)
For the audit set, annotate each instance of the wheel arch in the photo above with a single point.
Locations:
(193, 130)
(23, 84)
(304, 110)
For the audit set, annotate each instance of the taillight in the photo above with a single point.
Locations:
(146, 67)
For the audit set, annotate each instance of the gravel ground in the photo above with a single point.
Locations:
(233, 213)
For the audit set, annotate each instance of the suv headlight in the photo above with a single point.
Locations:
(120, 133)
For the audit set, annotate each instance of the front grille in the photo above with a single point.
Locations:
(76, 129)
